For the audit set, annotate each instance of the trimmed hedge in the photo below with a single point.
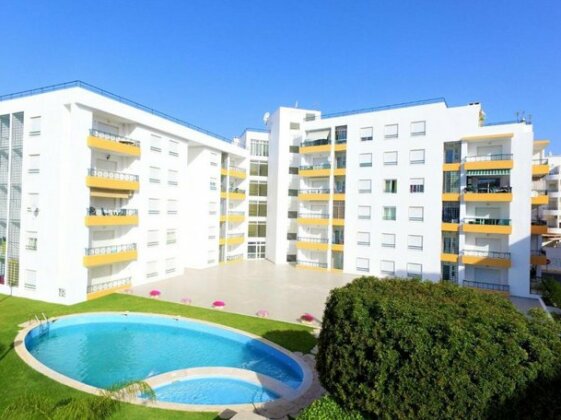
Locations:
(327, 409)
(409, 349)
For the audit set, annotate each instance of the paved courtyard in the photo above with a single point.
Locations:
(247, 287)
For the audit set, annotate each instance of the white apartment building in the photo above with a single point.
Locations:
(417, 190)
(98, 193)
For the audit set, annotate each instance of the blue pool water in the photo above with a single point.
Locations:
(215, 390)
(104, 350)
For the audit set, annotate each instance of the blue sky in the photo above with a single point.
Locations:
(223, 64)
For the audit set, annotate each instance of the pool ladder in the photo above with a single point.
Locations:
(43, 322)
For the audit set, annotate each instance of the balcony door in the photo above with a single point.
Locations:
(102, 238)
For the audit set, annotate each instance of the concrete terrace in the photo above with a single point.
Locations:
(247, 287)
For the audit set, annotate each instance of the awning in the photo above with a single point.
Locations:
(489, 172)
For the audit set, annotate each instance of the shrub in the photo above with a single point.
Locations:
(327, 409)
(410, 349)
(552, 291)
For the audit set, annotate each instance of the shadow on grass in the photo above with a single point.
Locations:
(293, 340)
(5, 350)
(6, 297)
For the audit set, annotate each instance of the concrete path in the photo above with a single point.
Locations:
(284, 291)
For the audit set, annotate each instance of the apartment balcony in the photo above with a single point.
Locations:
(111, 217)
(105, 255)
(486, 225)
(315, 146)
(112, 143)
(97, 290)
(234, 172)
(312, 265)
(450, 252)
(321, 170)
(451, 196)
(451, 167)
(494, 287)
(111, 184)
(338, 244)
(232, 239)
(338, 216)
(493, 194)
(539, 227)
(340, 144)
(314, 194)
(313, 218)
(538, 257)
(540, 167)
(233, 194)
(489, 162)
(486, 258)
(539, 198)
(233, 217)
(450, 219)
(312, 244)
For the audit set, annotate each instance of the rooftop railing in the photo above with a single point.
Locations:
(113, 137)
(120, 176)
(111, 249)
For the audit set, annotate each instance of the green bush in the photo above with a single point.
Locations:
(410, 349)
(327, 409)
(552, 291)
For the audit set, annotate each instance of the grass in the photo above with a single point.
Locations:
(16, 378)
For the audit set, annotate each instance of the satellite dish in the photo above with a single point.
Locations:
(266, 117)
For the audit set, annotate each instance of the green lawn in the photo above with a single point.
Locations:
(16, 378)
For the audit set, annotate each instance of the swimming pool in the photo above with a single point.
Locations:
(106, 349)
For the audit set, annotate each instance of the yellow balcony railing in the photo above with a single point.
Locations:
(106, 255)
(108, 142)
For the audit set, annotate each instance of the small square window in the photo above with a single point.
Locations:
(365, 160)
(366, 134)
(418, 128)
(364, 186)
(390, 186)
(363, 264)
(391, 131)
(390, 158)
(417, 157)
(389, 213)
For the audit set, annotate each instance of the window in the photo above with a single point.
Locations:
(366, 134)
(389, 213)
(154, 175)
(172, 206)
(172, 177)
(257, 229)
(151, 269)
(153, 206)
(212, 184)
(387, 267)
(415, 242)
(155, 143)
(259, 147)
(212, 207)
(292, 193)
(32, 202)
(35, 126)
(341, 134)
(390, 158)
(364, 212)
(258, 208)
(414, 270)
(417, 185)
(152, 238)
(364, 186)
(363, 264)
(416, 214)
(390, 186)
(417, 156)
(293, 149)
(30, 279)
(31, 244)
(291, 236)
(388, 240)
(292, 214)
(453, 152)
(363, 238)
(293, 170)
(171, 236)
(170, 265)
(257, 168)
(294, 126)
(291, 258)
(451, 182)
(391, 131)
(173, 148)
(255, 250)
(365, 160)
(211, 232)
(258, 188)
(33, 164)
(418, 128)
